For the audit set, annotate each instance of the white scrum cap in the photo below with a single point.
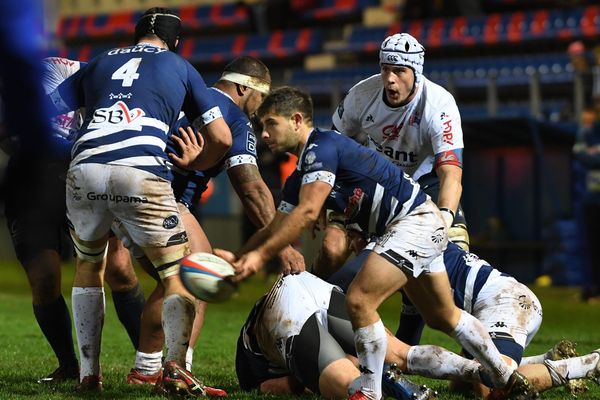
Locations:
(403, 49)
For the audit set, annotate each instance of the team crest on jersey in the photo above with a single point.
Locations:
(116, 115)
(310, 157)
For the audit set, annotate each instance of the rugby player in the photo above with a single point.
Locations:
(413, 122)
(378, 197)
(132, 96)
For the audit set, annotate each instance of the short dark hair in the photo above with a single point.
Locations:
(160, 22)
(250, 66)
(287, 100)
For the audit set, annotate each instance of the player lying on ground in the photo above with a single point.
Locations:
(507, 308)
(299, 336)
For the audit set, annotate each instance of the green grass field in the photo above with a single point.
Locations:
(25, 355)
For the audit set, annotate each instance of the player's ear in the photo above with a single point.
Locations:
(297, 118)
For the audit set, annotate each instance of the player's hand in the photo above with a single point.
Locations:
(247, 265)
(292, 262)
(225, 255)
(191, 144)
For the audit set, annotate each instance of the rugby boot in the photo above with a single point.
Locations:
(519, 388)
(61, 374)
(567, 349)
(178, 382)
(396, 385)
(135, 377)
(358, 395)
(595, 373)
(90, 384)
(563, 349)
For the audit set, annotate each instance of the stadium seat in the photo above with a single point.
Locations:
(334, 10)
(194, 17)
(278, 44)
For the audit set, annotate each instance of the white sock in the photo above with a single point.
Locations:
(148, 363)
(571, 368)
(474, 338)
(439, 363)
(537, 359)
(177, 319)
(189, 357)
(372, 340)
(88, 316)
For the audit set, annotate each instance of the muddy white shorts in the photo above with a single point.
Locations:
(291, 301)
(416, 242)
(142, 201)
(507, 308)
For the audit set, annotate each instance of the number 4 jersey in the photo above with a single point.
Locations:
(132, 96)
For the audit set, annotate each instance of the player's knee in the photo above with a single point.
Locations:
(45, 288)
(356, 303)
(120, 274)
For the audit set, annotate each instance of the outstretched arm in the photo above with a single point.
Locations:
(260, 208)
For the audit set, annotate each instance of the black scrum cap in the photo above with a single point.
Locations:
(161, 22)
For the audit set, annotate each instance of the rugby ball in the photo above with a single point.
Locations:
(203, 275)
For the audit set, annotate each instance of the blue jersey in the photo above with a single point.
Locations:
(467, 274)
(368, 188)
(188, 186)
(132, 96)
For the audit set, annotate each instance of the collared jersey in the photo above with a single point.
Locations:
(189, 186)
(410, 136)
(132, 96)
(367, 188)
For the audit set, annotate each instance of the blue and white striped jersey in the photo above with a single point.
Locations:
(132, 97)
(188, 186)
(467, 273)
(368, 188)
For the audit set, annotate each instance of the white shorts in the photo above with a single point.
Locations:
(287, 306)
(506, 306)
(416, 242)
(142, 201)
(123, 235)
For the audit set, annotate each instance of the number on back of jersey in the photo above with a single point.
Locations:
(127, 72)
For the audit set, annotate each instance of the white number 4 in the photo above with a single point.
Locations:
(127, 72)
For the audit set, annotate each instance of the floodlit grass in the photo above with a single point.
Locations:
(25, 355)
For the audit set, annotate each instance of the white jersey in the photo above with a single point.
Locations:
(411, 135)
(55, 71)
(291, 301)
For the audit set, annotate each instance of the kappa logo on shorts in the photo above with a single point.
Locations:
(170, 222)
